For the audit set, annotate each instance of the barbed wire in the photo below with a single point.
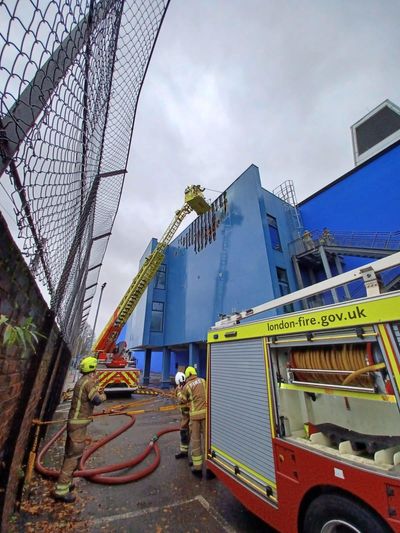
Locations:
(71, 72)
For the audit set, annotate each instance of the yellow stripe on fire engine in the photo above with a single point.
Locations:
(268, 378)
(392, 357)
(105, 377)
(378, 310)
(117, 376)
(389, 398)
(244, 467)
(242, 478)
(131, 378)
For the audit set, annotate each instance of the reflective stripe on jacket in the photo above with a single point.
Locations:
(194, 394)
(184, 407)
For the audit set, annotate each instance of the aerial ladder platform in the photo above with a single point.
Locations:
(106, 342)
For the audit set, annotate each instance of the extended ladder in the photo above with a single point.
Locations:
(194, 201)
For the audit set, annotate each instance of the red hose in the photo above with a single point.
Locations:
(50, 472)
(94, 474)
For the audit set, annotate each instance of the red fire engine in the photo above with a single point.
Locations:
(115, 370)
(310, 441)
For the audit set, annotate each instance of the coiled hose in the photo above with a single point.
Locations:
(347, 357)
(96, 474)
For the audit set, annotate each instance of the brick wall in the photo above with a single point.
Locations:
(30, 383)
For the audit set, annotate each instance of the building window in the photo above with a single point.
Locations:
(157, 316)
(284, 287)
(274, 233)
(161, 277)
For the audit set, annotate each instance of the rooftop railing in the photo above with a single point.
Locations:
(346, 242)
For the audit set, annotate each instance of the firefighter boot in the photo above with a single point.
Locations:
(197, 473)
(210, 474)
(181, 455)
(64, 498)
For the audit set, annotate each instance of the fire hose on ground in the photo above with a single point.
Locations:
(97, 474)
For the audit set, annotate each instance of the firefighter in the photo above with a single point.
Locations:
(193, 393)
(326, 237)
(84, 398)
(308, 240)
(185, 418)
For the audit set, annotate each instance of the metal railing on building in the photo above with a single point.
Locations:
(360, 244)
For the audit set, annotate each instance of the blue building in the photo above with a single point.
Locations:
(255, 245)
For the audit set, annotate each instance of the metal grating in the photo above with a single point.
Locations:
(71, 72)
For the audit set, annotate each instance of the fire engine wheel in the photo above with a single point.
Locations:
(334, 513)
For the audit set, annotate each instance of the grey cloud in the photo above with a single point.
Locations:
(277, 83)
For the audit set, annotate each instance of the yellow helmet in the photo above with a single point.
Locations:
(88, 364)
(190, 371)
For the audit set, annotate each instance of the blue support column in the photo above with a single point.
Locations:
(166, 365)
(147, 366)
(194, 356)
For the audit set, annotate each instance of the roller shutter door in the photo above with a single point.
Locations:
(240, 426)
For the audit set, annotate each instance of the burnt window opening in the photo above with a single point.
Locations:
(203, 230)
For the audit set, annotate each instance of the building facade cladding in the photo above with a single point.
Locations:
(362, 204)
(277, 243)
(366, 199)
(139, 325)
(223, 262)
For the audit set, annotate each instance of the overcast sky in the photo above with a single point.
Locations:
(234, 82)
(277, 83)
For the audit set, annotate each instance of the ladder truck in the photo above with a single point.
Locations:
(311, 440)
(115, 371)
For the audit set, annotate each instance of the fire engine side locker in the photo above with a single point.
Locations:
(241, 414)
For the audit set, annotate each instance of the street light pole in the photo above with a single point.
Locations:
(97, 312)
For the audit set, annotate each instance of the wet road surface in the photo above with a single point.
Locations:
(169, 499)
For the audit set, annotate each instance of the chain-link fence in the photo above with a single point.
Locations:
(71, 72)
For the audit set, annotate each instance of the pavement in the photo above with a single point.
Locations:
(170, 499)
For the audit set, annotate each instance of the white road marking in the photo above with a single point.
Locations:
(221, 521)
(134, 514)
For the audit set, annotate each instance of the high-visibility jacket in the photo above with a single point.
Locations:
(193, 393)
(84, 398)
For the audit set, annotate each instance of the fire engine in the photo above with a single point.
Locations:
(115, 371)
(310, 441)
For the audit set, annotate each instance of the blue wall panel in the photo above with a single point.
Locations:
(139, 324)
(366, 200)
(223, 262)
(231, 273)
(287, 233)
